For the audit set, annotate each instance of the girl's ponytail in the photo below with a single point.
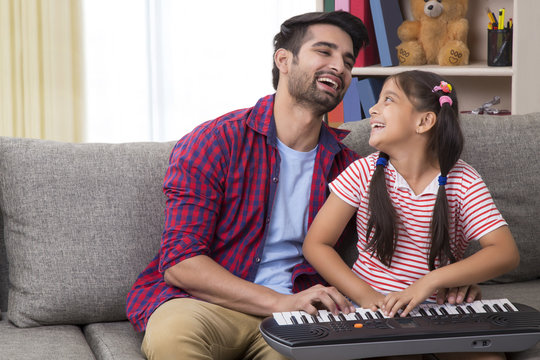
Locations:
(447, 141)
(383, 215)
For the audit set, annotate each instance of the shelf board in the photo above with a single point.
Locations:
(478, 68)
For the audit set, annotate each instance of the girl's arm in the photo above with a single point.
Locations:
(499, 254)
(319, 250)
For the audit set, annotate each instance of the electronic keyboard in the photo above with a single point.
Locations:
(483, 325)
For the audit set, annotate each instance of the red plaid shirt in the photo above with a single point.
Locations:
(220, 188)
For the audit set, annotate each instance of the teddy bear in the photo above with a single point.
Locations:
(437, 35)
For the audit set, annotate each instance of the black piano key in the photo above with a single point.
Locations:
(332, 318)
(379, 314)
(294, 321)
(460, 310)
(443, 311)
(470, 309)
(369, 316)
(508, 307)
(498, 308)
(342, 317)
(315, 319)
(304, 319)
(487, 308)
(423, 312)
(357, 316)
(433, 311)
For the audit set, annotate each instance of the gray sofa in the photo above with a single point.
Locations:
(80, 221)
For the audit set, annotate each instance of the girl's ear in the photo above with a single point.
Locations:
(281, 58)
(427, 121)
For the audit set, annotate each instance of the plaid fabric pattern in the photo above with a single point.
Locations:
(220, 187)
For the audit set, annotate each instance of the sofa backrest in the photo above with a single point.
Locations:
(80, 222)
(505, 150)
(3, 269)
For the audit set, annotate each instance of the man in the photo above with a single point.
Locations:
(241, 192)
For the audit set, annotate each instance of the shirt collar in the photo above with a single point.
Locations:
(401, 183)
(261, 119)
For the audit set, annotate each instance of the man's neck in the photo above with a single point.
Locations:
(297, 126)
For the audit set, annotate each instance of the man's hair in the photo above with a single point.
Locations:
(292, 32)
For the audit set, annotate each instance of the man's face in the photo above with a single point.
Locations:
(321, 72)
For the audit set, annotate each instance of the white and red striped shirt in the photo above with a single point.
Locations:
(472, 214)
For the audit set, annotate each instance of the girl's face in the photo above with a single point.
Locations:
(394, 120)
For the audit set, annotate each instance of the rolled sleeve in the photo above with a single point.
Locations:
(193, 187)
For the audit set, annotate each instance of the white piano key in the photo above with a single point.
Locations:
(279, 318)
(496, 305)
(478, 306)
(451, 309)
(431, 309)
(308, 317)
(287, 317)
(301, 317)
(323, 314)
(297, 316)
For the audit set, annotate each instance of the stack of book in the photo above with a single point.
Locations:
(381, 18)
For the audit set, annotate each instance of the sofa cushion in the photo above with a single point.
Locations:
(506, 152)
(114, 341)
(46, 342)
(81, 221)
(3, 269)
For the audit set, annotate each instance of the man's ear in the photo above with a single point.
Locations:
(281, 58)
(427, 121)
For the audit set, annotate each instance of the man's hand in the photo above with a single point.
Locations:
(314, 298)
(459, 295)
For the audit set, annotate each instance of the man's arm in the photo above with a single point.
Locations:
(205, 279)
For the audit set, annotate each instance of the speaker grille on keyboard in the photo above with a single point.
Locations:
(294, 334)
(498, 319)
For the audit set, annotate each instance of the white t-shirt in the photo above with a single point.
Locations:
(289, 220)
(472, 214)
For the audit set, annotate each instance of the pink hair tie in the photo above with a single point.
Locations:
(445, 100)
(444, 87)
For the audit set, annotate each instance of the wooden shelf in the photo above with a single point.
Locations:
(474, 69)
(516, 85)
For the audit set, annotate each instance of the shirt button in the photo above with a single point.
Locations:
(275, 179)
(257, 259)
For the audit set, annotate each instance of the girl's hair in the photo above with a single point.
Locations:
(446, 141)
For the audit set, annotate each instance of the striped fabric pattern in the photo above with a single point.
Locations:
(472, 214)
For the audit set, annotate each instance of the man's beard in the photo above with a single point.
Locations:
(304, 89)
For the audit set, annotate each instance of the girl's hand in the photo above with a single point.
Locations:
(407, 299)
(372, 301)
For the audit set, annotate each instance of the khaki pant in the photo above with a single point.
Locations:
(191, 329)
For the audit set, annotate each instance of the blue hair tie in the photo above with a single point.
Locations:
(442, 180)
(381, 161)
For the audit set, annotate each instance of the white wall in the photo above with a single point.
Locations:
(155, 69)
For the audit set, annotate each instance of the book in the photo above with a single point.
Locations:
(386, 19)
(369, 90)
(342, 5)
(335, 117)
(329, 5)
(368, 55)
(352, 110)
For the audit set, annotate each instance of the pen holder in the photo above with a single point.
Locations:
(499, 47)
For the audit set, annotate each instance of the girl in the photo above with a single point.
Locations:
(417, 207)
